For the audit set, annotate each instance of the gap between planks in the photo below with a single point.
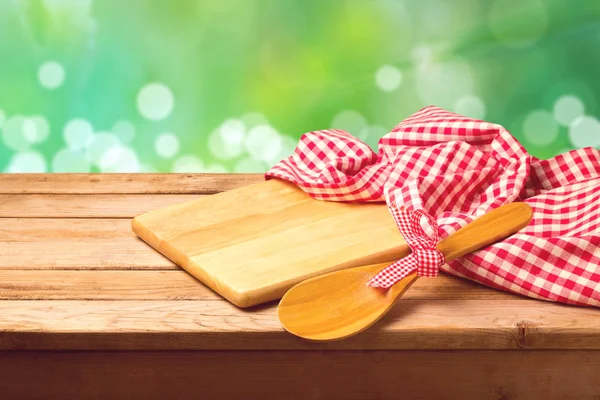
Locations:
(179, 285)
(218, 325)
(85, 205)
(123, 183)
(116, 254)
(64, 229)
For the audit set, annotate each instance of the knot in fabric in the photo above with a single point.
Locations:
(425, 258)
(429, 262)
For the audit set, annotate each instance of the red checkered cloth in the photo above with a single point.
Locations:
(456, 169)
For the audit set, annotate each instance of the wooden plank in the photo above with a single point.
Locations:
(85, 206)
(120, 253)
(218, 325)
(179, 285)
(102, 285)
(498, 375)
(40, 243)
(123, 183)
(63, 229)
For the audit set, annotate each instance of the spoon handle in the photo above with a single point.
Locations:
(487, 229)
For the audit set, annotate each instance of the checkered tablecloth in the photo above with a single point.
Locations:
(456, 169)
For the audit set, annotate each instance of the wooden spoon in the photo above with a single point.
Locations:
(340, 304)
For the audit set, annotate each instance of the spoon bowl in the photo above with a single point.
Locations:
(300, 311)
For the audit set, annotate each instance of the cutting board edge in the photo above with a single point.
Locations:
(258, 296)
(203, 197)
(156, 242)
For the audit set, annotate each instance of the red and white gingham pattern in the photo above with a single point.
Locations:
(425, 258)
(457, 169)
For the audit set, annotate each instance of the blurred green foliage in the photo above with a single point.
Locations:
(230, 85)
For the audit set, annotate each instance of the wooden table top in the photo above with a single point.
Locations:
(73, 276)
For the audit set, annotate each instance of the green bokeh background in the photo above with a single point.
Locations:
(249, 77)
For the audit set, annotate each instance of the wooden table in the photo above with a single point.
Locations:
(87, 310)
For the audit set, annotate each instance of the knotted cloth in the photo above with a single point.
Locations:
(424, 258)
(456, 169)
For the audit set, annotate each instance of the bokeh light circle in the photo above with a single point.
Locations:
(188, 163)
(232, 132)
(77, 133)
(221, 150)
(288, 146)
(540, 128)
(249, 165)
(119, 158)
(27, 162)
(155, 101)
(29, 130)
(585, 132)
(41, 128)
(70, 160)
(2, 117)
(470, 106)
(388, 78)
(124, 130)
(98, 145)
(166, 145)
(350, 121)
(567, 109)
(51, 74)
(263, 143)
(16, 134)
(443, 84)
(421, 56)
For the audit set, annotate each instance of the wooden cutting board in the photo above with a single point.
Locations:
(253, 243)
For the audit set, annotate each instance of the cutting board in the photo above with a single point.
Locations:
(253, 243)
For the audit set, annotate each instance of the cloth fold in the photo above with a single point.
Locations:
(456, 169)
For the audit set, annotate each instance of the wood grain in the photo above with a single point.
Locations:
(121, 253)
(496, 375)
(218, 325)
(79, 244)
(179, 285)
(64, 229)
(85, 206)
(254, 243)
(83, 298)
(123, 183)
(102, 285)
